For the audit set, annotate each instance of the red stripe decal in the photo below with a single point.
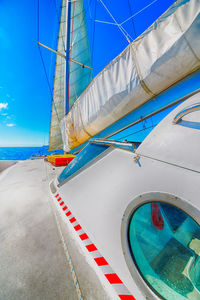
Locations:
(101, 261)
(126, 297)
(77, 227)
(113, 278)
(83, 236)
(72, 220)
(91, 247)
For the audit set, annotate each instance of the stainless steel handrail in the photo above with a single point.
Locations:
(185, 112)
(122, 145)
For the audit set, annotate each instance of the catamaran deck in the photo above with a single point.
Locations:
(33, 263)
(32, 258)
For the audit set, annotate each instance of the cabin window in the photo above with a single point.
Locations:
(165, 246)
(81, 161)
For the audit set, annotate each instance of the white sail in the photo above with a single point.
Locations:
(58, 102)
(73, 73)
(164, 54)
(80, 71)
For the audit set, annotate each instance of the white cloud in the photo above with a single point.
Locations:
(3, 105)
(10, 125)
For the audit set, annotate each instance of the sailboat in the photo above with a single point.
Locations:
(131, 214)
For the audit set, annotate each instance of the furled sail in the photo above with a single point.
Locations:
(58, 101)
(165, 53)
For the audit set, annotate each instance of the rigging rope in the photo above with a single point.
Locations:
(121, 28)
(105, 22)
(44, 67)
(119, 25)
(130, 8)
(137, 131)
(138, 12)
(93, 34)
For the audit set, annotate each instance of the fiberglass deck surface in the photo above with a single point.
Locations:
(33, 264)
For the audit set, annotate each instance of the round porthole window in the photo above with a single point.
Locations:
(165, 245)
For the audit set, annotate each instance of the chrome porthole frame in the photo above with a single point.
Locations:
(140, 200)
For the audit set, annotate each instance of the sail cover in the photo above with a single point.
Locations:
(68, 87)
(165, 53)
(58, 101)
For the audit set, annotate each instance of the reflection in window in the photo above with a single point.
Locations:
(165, 244)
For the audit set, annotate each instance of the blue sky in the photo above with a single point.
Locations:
(25, 99)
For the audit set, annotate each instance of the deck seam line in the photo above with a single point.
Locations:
(66, 252)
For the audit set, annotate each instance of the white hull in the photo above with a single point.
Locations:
(102, 196)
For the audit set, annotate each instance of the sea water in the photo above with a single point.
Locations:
(22, 153)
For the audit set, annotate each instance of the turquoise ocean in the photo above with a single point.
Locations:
(22, 153)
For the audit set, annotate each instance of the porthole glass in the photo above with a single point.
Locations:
(165, 245)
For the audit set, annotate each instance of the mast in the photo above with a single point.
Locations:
(59, 90)
(67, 73)
(73, 70)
